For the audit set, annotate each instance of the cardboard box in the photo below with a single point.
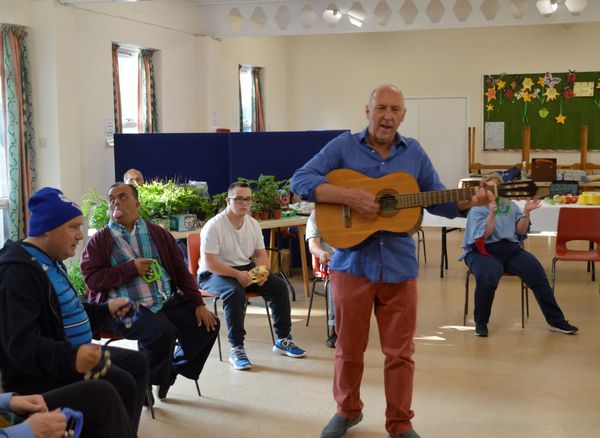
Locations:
(183, 222)
(285, 262)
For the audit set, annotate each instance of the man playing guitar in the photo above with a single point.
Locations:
(379, 273)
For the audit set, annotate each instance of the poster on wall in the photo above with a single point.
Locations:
(556, 107)
(494, 135)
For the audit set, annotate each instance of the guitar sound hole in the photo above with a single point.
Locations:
(387, 202)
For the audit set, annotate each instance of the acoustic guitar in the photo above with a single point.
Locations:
(401, 205)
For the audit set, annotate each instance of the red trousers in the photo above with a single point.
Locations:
(395, 306)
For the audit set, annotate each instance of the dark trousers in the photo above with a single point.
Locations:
(104, 414)
(233, 295)
(129, 375)
(510, 257)
(157, 334)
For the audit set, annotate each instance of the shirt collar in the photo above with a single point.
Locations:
(121, 228)
(399, 142)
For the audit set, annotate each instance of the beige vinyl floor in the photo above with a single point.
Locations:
(516, 383)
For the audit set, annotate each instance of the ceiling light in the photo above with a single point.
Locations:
(576, 7)
(332, 15)
(546, 7)
(355, 19)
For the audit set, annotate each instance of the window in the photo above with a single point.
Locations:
(3, 176)
(128, 78)
(251, 102)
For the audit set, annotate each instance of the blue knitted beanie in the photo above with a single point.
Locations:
(50, 208)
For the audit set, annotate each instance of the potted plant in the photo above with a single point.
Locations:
(266, 195)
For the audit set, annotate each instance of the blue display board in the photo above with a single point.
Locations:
(217, 158)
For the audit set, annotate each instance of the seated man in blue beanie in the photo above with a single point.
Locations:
(45, 332)
(133, 258)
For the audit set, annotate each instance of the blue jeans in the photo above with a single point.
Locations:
(331, 321)
(510, 257)
(233, 295)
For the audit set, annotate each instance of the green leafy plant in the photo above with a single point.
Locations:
(95, 208)
(76, 278)
(266, 192)
(158, 199)
(165, 198)
(219, 202)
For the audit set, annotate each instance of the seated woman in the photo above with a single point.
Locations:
(493, 246)
(323, 251)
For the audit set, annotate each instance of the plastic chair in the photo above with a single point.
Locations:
(524, 298)
(320, 275)
(577, 224)
(193, 248)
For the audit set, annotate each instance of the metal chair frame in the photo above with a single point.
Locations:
(320, 276)
(524, 298)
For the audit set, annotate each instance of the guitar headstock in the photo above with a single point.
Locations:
(517, 189)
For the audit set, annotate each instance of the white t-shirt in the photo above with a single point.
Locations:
(312, 232)
(234, 247)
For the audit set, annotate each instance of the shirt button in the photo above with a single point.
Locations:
(380, 243)
(382, 163)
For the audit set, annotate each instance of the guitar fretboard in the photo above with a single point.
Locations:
(423, 199)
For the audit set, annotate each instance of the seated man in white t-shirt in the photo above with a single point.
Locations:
(229, 242)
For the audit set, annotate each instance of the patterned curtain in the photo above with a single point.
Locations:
(18, 126)
(258, 115)
(117, 90)
(147, 117)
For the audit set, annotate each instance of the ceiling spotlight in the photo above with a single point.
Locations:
(576, 7)
(547, 7)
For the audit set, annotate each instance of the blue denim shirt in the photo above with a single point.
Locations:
(505, 226)
(385, 257)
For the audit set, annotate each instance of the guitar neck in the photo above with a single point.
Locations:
(424, 199)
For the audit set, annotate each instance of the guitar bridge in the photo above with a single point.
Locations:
(347, 216)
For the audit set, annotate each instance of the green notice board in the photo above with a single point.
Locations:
(553, 105)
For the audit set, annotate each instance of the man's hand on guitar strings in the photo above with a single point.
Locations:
(363, 202)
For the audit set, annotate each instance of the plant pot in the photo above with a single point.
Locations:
(277, 214)
(264, 215)
(256, 215)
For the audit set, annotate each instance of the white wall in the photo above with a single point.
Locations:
(312, 82)
(72, 65)
(15, 12)
(331, 76)
(269, 53)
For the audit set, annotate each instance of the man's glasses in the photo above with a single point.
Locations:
(240, 200)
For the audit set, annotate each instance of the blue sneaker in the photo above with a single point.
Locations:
(238, 358)
(287, 347)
